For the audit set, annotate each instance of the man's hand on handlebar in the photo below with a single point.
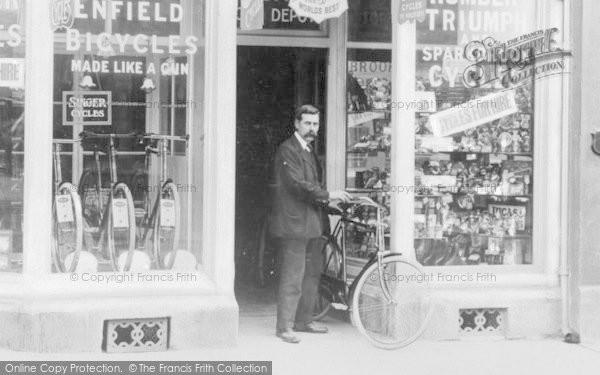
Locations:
(340, 195)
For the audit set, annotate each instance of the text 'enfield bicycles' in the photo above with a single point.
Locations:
(389, 300)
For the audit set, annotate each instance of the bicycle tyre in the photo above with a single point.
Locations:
(166, 239)
(382, 323)
(121, 191)
(332, 267)
(69, 189)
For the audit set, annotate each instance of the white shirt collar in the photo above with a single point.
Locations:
(303, 143)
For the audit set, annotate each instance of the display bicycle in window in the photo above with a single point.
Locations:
(115, 230)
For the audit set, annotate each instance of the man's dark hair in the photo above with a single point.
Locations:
(306, 109)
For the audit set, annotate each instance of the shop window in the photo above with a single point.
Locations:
(125, 120)
(12, 96)
(368, 139)
(474, 141)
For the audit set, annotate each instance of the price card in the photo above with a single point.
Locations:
(167, 213)
(120, 213)
(64, 208)
(5, 241)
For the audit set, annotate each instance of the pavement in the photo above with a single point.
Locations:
(344, 351)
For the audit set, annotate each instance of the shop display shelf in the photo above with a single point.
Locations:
(426, 154)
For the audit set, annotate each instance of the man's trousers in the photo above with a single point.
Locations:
(300, 261)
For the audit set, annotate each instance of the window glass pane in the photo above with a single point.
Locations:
(474, 142)
(369, 21)
(368, 138)
(122, 136)
(12, 97)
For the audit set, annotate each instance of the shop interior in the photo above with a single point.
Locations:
(272, 82)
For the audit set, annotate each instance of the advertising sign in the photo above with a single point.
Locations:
(506, 211)
(320, 10)
(277, 15)
(12, 73)
(473, 113)
(252, 15)
(412, 10)
(87, 108)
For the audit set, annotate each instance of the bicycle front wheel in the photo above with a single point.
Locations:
(392, 305)
(121, 227)
(67, 225)
(166, 226)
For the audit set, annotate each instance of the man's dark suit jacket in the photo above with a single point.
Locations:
(300, 194)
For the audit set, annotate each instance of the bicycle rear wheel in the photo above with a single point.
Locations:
(67, 224)
(167, 226)
(392, 308)
(332, 268)
(120, 227)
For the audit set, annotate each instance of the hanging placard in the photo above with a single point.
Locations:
(412, 10)
(320, 10)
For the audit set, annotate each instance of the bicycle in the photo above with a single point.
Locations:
(67, 220)
(162, 219)
(110, 219)
(389, 300)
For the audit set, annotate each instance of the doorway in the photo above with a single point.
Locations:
(271, 83)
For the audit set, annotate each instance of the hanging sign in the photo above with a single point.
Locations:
(87, 108)
(319, 10)
(473, 113)
(252, 16)
(412, 10)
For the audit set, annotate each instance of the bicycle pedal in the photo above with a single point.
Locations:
(339, 306)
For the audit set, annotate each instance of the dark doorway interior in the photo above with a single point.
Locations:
(272, 82)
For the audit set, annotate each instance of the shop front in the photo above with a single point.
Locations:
(449, 113)
(118, 209)
(116, 182)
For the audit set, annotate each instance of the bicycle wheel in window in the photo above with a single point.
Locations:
(67, 224)
(331, 271)
(120, 227)
(391, 307)
(167, 226)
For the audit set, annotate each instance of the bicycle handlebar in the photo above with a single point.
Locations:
(66, 141)
(159, 137)
(90, 134)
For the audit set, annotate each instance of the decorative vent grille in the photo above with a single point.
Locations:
(482, 321)
(136, 335)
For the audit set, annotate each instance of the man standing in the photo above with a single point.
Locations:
(298, 223)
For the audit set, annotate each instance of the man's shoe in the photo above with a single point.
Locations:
(288, 336)
(311, 328)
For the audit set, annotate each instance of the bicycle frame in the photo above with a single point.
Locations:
(56, 154)
(161, 152)
(111, 153)
(340, 232)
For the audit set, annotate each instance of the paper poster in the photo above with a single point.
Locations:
(473, 113)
